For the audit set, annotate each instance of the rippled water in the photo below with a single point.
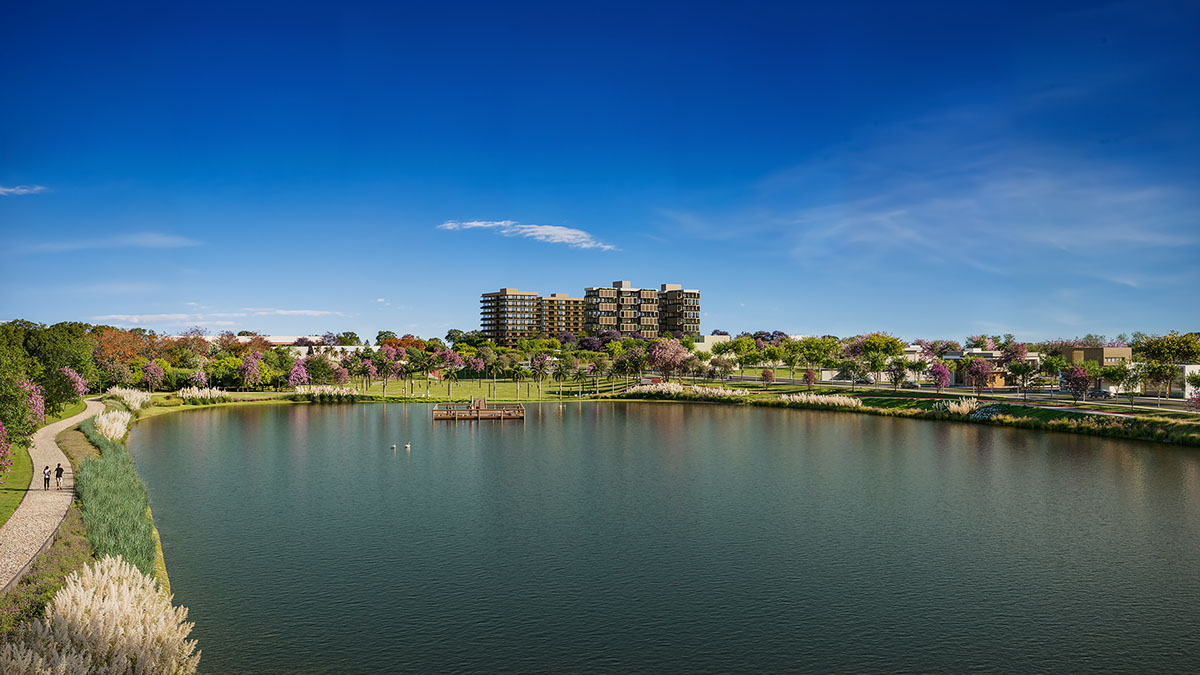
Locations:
(662, 537)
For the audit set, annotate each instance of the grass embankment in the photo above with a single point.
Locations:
(1007, 414)
(115, 503)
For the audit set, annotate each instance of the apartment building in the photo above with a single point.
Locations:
(509, 315)
(560, 313)
(678, 310)
(621, 307)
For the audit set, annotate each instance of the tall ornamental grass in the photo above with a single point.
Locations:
(676, 391)
(134, 399)
(108, 618)
(963, 406)
(324, 393)
(113, 424)
(822, 400)
(202, 395)
(114, 501)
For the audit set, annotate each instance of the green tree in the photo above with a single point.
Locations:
(1023, 372)
(1160, 375)
(1171, 349)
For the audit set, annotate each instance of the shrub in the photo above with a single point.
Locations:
(113, 424)
(114, 502)
(133, 399)
(673, 390)
(108, 618)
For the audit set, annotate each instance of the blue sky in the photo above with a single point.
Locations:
(930, 169)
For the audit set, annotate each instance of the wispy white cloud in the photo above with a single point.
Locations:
(135, 240)
(266, 311)
(554, 234)
(21, 190)
(206, 318)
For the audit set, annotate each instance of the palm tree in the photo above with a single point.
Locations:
(581, 376)
(540, 367)
(450, 376)
(517, 373)
(601, 367)
(563, 368)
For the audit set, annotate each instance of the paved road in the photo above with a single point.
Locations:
(40, 512)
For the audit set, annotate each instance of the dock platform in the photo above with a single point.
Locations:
(478, 409)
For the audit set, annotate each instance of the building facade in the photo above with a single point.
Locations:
(509, 315)
(678, 310)
(560, 313)
(623, 308)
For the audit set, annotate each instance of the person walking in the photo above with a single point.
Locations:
(58, 472)
(46, 476)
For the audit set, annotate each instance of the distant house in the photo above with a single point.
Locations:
(704, 343)
(999, 376)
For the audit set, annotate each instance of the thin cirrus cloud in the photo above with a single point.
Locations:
(21, 190)
(205, 318)
(136, 240)
(553, 234)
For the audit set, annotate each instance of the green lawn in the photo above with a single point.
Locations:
(12, 490)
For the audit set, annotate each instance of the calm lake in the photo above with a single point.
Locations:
(643, 537)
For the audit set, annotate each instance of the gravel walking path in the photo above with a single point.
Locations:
(40, 512)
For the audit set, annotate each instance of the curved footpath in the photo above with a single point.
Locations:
(40, 512)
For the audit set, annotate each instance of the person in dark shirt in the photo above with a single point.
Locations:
(58, 475)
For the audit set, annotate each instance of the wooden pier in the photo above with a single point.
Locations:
(478, 409)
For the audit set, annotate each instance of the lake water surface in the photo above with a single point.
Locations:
(669, 537)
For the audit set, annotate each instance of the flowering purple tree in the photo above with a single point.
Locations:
(251, 370)
(35, 400)
(76, 381)
(1013, 352)
(981, 342)
(768, 376)
(668, 356)
(810, 378)
(939, 372)
(591, 344)
(449, 362)
(389, 364)
(978, 372)
(152, 376)
(198, 379)
(341, 375)
(1076, 379)
(299, 375)
(896, 372)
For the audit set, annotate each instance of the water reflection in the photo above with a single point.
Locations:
(662, 537)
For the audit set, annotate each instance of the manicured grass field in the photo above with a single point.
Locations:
(13, 489)
(16, 484)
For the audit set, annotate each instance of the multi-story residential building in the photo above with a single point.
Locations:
(508, 315)
(560, 313)
(678, 310)
(621, 307)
